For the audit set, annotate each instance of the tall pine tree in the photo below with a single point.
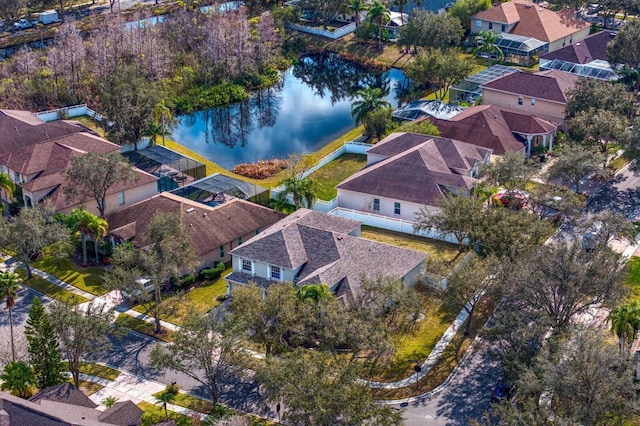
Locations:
(44, 354)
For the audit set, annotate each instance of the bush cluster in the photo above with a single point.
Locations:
(260, 170)
(213, 273)
(200, 98)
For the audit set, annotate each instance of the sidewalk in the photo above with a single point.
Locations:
(135, 389)
(113, 299)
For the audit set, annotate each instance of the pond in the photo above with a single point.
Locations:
(309, 108)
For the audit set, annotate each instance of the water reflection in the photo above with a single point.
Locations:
(310, 107)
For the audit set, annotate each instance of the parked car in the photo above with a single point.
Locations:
(24, 24)
(134, 296)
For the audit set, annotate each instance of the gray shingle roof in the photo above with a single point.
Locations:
(324, 255)
(65, 393)
(123, 413)
(418, 168)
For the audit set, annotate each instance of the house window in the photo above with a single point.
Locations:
(376, 204)
(239, 240)
(396, 208)
(490, 25)
(121, 197)
(533, 102)
(504, 28)
(221, 252)
(247, 265)
(478, 23)
(519, 100)
(275, 272)
(257, 231)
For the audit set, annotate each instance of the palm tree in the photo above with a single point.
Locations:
(488, 45)
(7, 184)
(17, 377)
(625, 323)
(98, 228)
(162, 116)
(9, 285)
(89, 226)
(109, 401)
(369, 99)
(379, 14)
(356, 7)
(163, 399)
(302, 190)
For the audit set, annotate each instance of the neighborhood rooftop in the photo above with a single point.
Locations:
(550, 85)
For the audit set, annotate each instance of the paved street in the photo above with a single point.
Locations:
(464, 397)
(621, 194)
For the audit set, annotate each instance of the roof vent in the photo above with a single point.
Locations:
(190, 209)
(204, 214)
(612, 34)
(578, 44)
(339, 237)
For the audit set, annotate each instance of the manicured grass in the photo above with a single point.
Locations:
(191, 402)
(633, 277)
(449, 359)
(88, 279)
(419, 343)
(155, 414)
(273, 180)
(335, 172)
(49, 289)
(438, 250)
(99, 370)
(89, 387)
(144, 327)
(203, 298)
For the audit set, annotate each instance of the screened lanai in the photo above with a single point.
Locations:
(520, 49)
(469, 90)
(595, 69)
(215, 189)
(173, 169)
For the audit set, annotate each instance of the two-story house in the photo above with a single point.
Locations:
(309, 247)
(543, 93)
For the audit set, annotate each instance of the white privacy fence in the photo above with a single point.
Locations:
(69, 112)
(337, 33)
(325, 206)
(391, 224)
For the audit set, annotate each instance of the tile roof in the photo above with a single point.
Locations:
(324, 255)
(418, 174)
(210, 227)
(65, 393)
(551, 85)
(49, 160)
(21, 128)
(589, 49)
(492, 127)
(533, 20)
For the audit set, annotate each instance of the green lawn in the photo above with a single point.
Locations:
(202, 297)
(438, 250)
(335, 172)
(49, 289)
(93, 369)
(88, 279)
(89, 387)
(417, 345)
(144, 327)
(154, 414)
(633, 279)
(191, 402)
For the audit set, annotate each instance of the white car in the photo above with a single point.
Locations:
(24, 24)
(148, 288)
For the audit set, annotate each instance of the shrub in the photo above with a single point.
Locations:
(260, 170)
(187, 280)
(173, 388)
(201, 98)
(213, 273)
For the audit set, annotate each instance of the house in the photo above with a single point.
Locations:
(529, 20)
(309, 247)
(587, 58)
(215, 231)
(35, 155)
(64, 405)
(406, 171)
(543, 93)
(499, 130)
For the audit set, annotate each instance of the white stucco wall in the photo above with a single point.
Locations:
(553, 111)
(364, 202)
